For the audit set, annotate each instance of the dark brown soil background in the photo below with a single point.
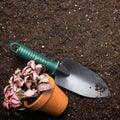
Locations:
(87, 31)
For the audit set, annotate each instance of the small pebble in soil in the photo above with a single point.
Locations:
(43, 46)
(10, 32)
(86, 15)
(111, 32)
(115, 11)
(114, 18)
(69, 12)
(14, 36)
(106, 55)
(74, 10)
(81, 55)
(38, 22)
(68, 115)
(118, 107)
(76, 5)
(70, 2)
(88, 19)
(106, 73)
(3, 27)
(8, 113)
(25, 39)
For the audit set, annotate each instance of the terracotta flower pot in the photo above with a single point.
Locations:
(53, 101)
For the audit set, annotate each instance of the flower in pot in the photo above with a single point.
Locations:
(32, 88)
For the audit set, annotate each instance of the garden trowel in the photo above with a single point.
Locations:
(68, 74)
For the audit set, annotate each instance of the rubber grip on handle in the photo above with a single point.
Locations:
(29, 54)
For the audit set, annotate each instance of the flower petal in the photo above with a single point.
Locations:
(30, 92)
(15, 97)
(6, 103)
(16, 78)
(26, 78)
(44, 87)
(5, 89)
(35, 75)
(8, 93)
(38, 68)
(26, 70)
(14, 88)
(15, 105)
(28, 84)
(43, 78)
(17, 71)
(15, 101)
(31, 64)
(11, 80)
(20, 83)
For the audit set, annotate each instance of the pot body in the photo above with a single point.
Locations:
(53, 101)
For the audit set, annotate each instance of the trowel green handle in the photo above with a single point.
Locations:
(29, 54)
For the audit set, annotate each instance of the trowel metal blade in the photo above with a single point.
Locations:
(81, 80)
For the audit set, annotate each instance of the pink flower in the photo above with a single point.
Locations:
(43, 78)
(25, 83)
(11, 80)
(31, 64)
(28, 84)
(6, 103)
(8, 92)
(26, 78)
(5, 89)
(17, 71)
(35, 75)
(38, 68)
(14, 105)
(44, 87)
(15, 101)
(16, 78)
(15, 97)
(26, 70)
(15, 88)
(20, 83)
(30, 92)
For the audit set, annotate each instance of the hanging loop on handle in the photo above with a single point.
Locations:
(29, 54)
(13, 46)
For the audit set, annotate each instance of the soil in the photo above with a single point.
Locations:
(86, 31)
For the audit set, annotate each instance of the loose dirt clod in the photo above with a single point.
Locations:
(100, 88)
